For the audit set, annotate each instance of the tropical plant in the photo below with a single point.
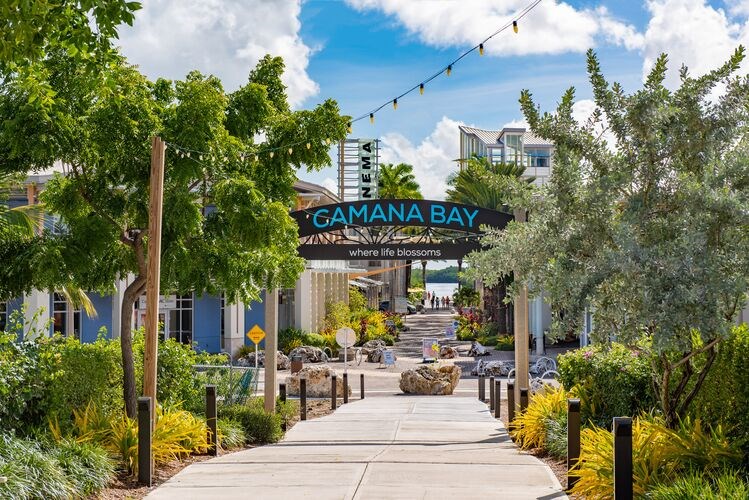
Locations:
(697, 486)
(398, 182)
(466, 297)
(87, 466)
(259, 426)
(530, 427)
(647, 230)
(230, 434)
(30, 472)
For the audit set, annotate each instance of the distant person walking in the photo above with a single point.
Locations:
(447, 299)
(433, 302)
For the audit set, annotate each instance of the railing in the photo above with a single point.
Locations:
(234, 384)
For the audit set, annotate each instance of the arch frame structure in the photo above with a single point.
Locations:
(394, 230)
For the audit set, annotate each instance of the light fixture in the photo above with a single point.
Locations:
(309, 145)
(421, 89)
(481, 49)
(327, 141)
(188, 154)
(515, 26)
(291, 150)
(271, 154)
(449, 69)
(371, 118)
(350, 128)
(395, 103)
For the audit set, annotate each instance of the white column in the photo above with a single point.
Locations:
(538, 323)
(234, 330)
(37, 305)
(119, 290)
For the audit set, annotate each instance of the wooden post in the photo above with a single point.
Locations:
(361, 385)
(491, 394)
(623, 487)
(520, 308)
(333, 395)
(497, 397)
(510, 404)
(145, 454)
(271, 346)
(302, 398)
(573, 439)
(523, 399)
(210, 418)
(153, 273)
(482, 388)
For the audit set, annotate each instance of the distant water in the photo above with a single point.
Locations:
(442, 289)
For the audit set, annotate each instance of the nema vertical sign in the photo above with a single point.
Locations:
(367, 169)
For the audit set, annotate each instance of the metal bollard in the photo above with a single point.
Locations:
(573, 439)
(333, 390)
(523, 399)
(623, 488)
(145, 457)
(510, 404)
(345, 387)
(210, 419)
(491, 394)
(361, 385)
(497, 397)
(482, 388)
(282, 392)
(302, 398)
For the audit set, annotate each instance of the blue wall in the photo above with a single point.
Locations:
(12, 306)
(206, 323)
(254, 314)
(90, 326)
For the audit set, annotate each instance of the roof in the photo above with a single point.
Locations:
(308, 187)
(494, 136)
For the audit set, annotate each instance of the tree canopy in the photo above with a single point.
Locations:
(650, 232)
(484, 184)
(398, 182)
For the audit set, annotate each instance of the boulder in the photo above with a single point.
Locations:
(282, 361)
(372, 345)
(447, 352)
(309, 354)
(429, 380)
(376, 356)
(478, 350)
(495, 368)
(318, 382)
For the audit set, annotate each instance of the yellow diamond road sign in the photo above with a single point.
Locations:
(256, 334)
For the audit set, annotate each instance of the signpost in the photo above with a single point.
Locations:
(256, 334)
(401, 304)
(427, 350)
(387, 358)
(451, 330)
(345, 337)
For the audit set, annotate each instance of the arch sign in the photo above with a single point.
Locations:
(384, 230)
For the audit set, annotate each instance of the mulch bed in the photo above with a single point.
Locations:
(126, 487)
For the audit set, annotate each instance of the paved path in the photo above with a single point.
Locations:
(396, 447)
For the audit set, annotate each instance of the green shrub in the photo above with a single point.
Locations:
(611, 381)
(337, 315)
(724, 397)
(729, 486)
(31, 472)
(315, 340)
(356, 300)
(505, 343)
(259, 427)
(289, 338)
(287, 410)
(230, 433)
(87, 467)
(530, 426)
(556, 435)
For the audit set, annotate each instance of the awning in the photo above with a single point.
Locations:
(357, 284)
(369, 281)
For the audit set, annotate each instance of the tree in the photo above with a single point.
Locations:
(489, 185)
(649, 232)
(398, 182)
(226, 226)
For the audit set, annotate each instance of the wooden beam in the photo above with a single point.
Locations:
(271, 346)
(156, 199)
(521, 331)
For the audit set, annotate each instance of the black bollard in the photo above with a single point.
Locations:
(210, 419)
(482, 388)
(523, 399)
(345, 387)
(491, 394)
(361, 385)
(333, 390)
(497, 397)
(302, 398)
(573, 439)
(623, 488)
(282, 392)
(145, 461)
(510, 404)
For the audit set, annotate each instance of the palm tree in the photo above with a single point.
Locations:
(398, 182)
(482, 184)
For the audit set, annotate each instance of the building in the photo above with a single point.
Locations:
(203, 320)
(509, 145)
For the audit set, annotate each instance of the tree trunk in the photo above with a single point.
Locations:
(502, 307)
(131, 294)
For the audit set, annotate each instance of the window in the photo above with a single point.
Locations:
(3, 315)
(179, 326)
(222, 326)
(60, 313)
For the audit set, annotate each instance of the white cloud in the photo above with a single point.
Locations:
(432, 159)
(330, 184)
(221, 37)
(694, 33)
(553, 27)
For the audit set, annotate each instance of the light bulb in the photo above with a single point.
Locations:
(371, 118)
(291, 150)
(188, 154)
(421, 89)
(481, 49)
(350, 128)
(395, 103)
(515, 26)
(327, 141)
(309, 145)
(449, 69)
(271, 154)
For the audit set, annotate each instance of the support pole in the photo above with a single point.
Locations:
(482, 388)
(523, 399)
(210, 418)
(302, 398)
(623, 487)
(153, 271)
(491, 394)
(271, 346)
(520, 317)
(345, 387)
(497, 397)
(573, 439)
(361, 385)
(282, 392)
(510, 404)
(145, 456)
(333, 390)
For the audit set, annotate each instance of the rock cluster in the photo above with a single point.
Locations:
(478, 350)
(318, 382)
(497, 368)
(448, 352)
(430, 381)
(282, 361)
(309, 354)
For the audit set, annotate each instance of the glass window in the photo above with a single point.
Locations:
(3, 315)
(179, 325)
(60, 313)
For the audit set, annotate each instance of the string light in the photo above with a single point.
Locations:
(421, 89)
(371, 118)
(449, 69)
(350, 128)
(271, 154)
(309, 145)
(515, 26)
(395, 103)
(291, 151)
(481, 49)
(327, 141)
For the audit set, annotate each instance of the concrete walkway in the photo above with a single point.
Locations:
(395, 447)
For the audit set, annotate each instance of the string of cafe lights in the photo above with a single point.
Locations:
(199, 156)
